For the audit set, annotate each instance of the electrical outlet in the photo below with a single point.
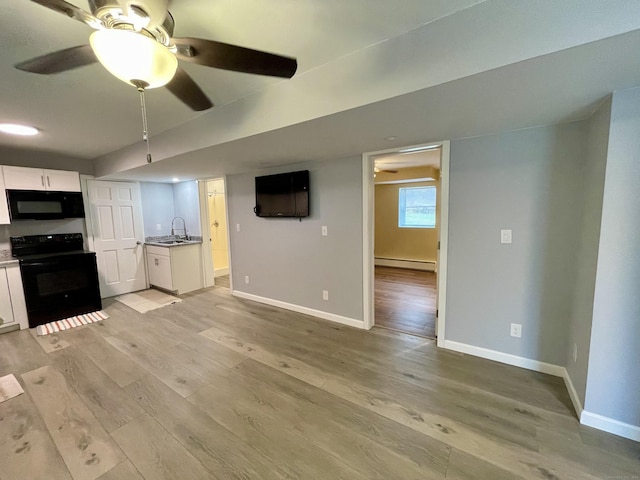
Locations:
(575, 352)
(237, 227)
(246, 279)
(516, 330)
(158, 226)
(325, 294)
(505, 236)
(324, 230)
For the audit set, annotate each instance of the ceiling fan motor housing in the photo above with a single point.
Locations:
(117, 15)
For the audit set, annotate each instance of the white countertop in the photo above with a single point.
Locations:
(6, 259)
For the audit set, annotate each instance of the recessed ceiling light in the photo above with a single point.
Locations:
(16, 129)
(175, 179)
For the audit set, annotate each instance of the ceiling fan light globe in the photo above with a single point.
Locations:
(132, 56)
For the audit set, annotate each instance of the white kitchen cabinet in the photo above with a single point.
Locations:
(13, 310)
(4, 206)
(177, 268)
(160, 270)
(24, 178)
(6, 311)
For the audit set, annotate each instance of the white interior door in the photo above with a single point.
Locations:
(118, 236)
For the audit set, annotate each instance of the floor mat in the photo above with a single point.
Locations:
(146, 300)
(9, 387)
(71, 322)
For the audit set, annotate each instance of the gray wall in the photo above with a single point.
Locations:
(161, 202)
(187, 206)
(22, 157)
(613, 382)
(529, 181)
(157, 208)
(580, 328)
(289, 260)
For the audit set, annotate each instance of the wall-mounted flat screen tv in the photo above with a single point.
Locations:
(283, 195)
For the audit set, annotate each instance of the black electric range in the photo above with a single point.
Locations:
(59, 277)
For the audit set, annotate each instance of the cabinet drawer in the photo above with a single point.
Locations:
(155, 250)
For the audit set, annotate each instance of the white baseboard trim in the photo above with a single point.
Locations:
(411, 264)
(610, 425)
(507, 358)
(221, 272)
(300, 309)
(586, 418)
(573, 394)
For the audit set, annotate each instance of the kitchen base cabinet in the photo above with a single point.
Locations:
(175, 268)
(13, 311)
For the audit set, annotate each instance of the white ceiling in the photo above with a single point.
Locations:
(87, 112)
(420, 70)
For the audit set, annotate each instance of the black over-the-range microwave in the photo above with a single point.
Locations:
(43, 205)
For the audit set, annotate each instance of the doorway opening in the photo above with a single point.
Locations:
(213, 201)
(406, 194)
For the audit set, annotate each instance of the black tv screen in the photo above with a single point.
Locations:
(283, 195)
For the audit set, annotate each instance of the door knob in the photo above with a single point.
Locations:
(215, 223)
(138, 243)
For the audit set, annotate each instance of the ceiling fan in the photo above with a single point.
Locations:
(134, 41)
(378, 170)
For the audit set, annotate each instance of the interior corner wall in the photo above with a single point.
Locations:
(613, 380)
(529, 181)
(157, 208)
(288, 260)
(186, 202)
(593, 189)
(393, 242)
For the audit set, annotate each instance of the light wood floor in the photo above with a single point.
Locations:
(405, 300)
(221, 388)
(223, 281)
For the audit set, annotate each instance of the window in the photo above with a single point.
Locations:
(417, 207)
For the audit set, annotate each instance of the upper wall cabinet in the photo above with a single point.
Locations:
(4, 207)
(23, 178)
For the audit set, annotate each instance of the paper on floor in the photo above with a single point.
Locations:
(9, 387)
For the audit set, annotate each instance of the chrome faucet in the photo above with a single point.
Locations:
(184, 227)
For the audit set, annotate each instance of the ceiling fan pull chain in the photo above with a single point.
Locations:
(145, 129)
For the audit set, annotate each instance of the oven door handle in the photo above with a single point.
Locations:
(49, 264)
(35, 264)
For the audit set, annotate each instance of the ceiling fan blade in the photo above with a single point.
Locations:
(231, 57)
(188, 91)
(59, 61)
(70, 11)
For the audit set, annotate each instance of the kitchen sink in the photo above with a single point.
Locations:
(172, 242)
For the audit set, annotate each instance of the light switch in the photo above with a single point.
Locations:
(158, 226)
(324, 231)
(505, 236)
(237, 227)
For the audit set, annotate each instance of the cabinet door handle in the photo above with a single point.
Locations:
(48, 181)
(157, 261)
(42, 179)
